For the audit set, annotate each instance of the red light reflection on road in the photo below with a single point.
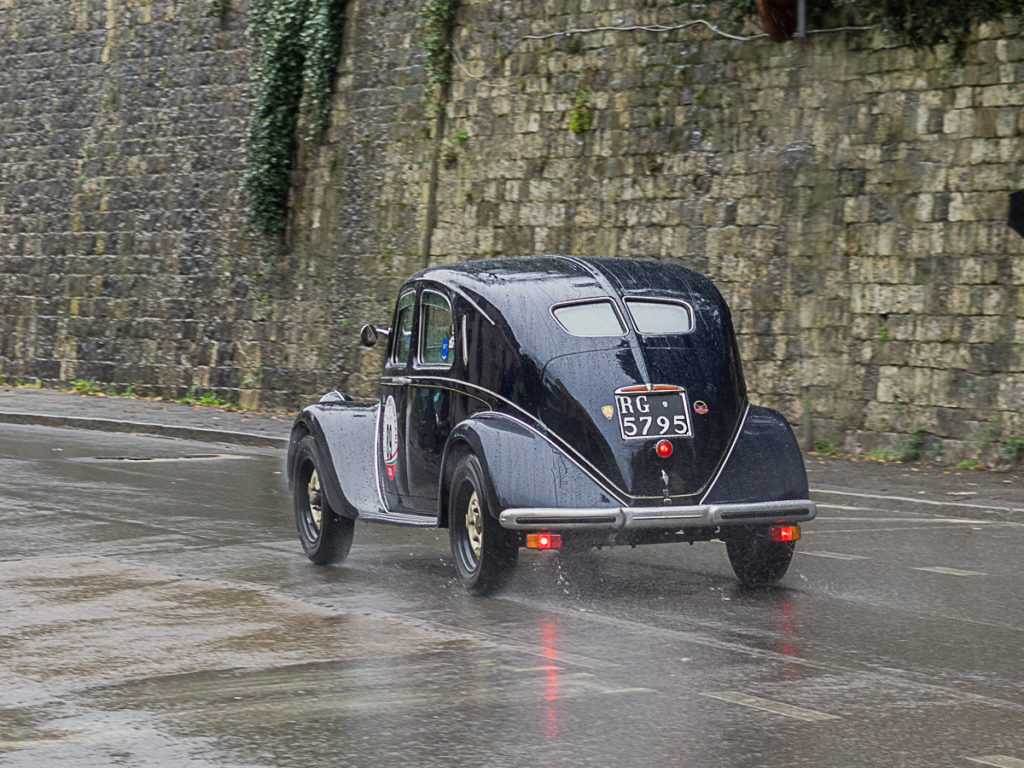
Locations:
(787, 627)
(548, 639)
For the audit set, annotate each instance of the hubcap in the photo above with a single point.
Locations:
(475, 525)
(316, 508)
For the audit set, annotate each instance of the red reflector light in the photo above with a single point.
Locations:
(785, 533)
(663, 449)
(543, 540)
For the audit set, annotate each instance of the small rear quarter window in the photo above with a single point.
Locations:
(660, 318)
(590, 318)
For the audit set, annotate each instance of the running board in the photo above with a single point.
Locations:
(399, 518)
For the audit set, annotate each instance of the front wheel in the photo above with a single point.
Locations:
(756, 560)
(484, 552)
(325, 535)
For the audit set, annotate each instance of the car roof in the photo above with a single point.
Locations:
(532, 283)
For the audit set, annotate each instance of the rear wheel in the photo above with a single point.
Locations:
(484, 552)
(325, 535)
(756, 560)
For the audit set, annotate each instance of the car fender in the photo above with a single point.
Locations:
(343, 437)
(523, 467)
(764, 463)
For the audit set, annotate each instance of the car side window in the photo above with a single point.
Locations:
(437, 331)
(403, 328)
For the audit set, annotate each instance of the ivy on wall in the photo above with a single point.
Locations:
(920, 23)
(321, 37)
(295, 47)
(924, 23)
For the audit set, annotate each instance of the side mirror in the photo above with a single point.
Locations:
(369, 335)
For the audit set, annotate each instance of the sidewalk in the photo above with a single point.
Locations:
(48, 407)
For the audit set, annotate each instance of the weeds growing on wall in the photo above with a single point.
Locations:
(295, 47)
(438, 17)
(920, 23)
(581, 116)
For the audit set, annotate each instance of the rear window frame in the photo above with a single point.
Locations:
(626, 300)
(623, 325)
(420, 361)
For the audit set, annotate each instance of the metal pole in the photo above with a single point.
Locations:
(801, 18)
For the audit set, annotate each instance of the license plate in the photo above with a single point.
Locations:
(660, 412)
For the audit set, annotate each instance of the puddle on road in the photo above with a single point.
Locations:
(86, 641)
(84, 621)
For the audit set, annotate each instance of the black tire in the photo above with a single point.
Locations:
(485, 553)
(756, 560)
(325, 535)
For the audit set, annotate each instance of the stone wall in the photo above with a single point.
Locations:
(122, 250)
(849, 198)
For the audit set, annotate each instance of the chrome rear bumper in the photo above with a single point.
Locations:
(627, 518)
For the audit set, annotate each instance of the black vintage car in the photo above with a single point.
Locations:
(554, 402)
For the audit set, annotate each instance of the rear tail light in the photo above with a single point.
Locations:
(543, 541)
(785, 533)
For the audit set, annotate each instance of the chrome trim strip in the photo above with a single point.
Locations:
(728, 455)
(632, 518)
(440, 383)
(465, 343)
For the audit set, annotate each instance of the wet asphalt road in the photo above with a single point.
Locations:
(160, 613)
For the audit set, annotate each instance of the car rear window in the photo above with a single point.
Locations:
(436, 330)
(590, 318)
(660, 318)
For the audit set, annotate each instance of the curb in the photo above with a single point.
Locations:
(199, 434)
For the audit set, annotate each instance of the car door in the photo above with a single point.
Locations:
(429, 403)
(392, 468)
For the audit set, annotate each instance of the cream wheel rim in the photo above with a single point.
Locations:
(475, 525)
(316, 507)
